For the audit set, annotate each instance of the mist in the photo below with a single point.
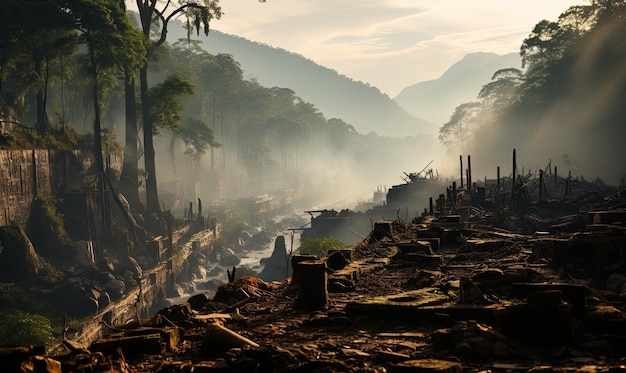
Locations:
(579, 128)
(327, 178)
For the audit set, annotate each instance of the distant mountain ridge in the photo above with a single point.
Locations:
(435, 100)
(335, 95)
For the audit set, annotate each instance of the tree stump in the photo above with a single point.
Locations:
(295, 260)
(382, 229)
(313, 293)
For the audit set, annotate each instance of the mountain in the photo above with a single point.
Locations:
(335, 95)
(436, 99)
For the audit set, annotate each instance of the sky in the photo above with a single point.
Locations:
(390, 44)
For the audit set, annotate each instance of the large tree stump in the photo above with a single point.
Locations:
(295, 260)
(313, 293)
(382, 229)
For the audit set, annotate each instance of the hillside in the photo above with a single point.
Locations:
(335, 95)
(436, 99)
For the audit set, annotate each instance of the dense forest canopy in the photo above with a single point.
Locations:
(566, 107)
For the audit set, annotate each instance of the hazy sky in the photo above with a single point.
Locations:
(390, 44)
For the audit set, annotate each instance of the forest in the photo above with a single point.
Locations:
(114, 80)
(567, 104)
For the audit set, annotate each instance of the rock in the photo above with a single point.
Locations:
(476, 347)
(422, 279)
(130, 283)
(81, 296)
(175, 292)
(96, 274)
(198, 301)
(199, 272)
(390, 357)
(215, 271)
(40, 363)
(276, 266)
(128, 263)
(229, 260)
(116, 289)
(258, 240)
(422, 247)
(340, 285)
(188, 287)
(105, 265)
(446, 338)
(502, 351)
(615, 282)
(104, 300)
(19, 261)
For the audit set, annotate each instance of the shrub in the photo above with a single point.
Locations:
(54, 217)
(245, 271)
(320, 246)
(23, 329)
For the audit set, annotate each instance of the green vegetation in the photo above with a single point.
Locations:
(320, 246)
(245, 271)
(49, 276)
(57, 137)
(23, 329)
(54, 217)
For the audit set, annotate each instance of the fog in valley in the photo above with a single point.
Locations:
(574, 131)
(328, 179)
(576, 126)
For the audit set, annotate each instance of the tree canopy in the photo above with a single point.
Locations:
(568, 98)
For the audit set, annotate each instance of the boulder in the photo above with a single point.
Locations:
(229, 260)
(128, 263)
(115, 288)
(19, 261)
(198, 272)
(81, 296)
(96, 274)
(198, 301)
(105, 265)
(276, 266)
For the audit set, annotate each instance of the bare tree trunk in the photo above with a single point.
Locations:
(152, 199)
(129, 178)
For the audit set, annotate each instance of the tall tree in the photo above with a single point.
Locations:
(197, 15)
(37, 32)
(129, 177)
(460, 123)
(110, 39)
(166, 109)
(197, 136)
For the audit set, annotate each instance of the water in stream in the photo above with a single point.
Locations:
(210, 274)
